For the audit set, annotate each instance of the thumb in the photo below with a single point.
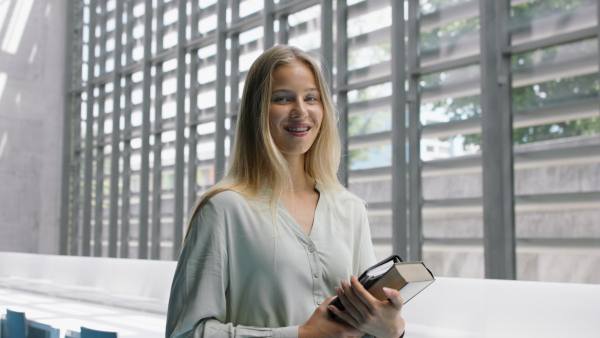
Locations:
(327, 301)
(394, 297)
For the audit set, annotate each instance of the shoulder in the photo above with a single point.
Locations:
(225, 202)
(220, 209)
(343, 196)
(346, 206)
(231, 202)
(226, 197)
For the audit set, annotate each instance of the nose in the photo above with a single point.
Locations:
(299, 109)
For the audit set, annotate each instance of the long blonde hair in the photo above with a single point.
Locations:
(256, 159)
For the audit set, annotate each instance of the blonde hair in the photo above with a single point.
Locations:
(256, 160)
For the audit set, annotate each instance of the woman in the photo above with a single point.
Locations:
(267, 245)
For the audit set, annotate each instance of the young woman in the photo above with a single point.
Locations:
(266, 246)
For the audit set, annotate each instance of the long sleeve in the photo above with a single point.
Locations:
(198, 305)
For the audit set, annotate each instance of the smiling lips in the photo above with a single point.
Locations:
(298, 129)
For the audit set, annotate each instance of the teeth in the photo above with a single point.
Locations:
(297, 130)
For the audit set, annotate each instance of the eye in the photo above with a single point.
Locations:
(280, 99)
(311, 99)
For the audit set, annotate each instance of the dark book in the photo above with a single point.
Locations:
(409, 278)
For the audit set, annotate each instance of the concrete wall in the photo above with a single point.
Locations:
(32, 67)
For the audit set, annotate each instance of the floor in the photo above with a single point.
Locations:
(67, 314)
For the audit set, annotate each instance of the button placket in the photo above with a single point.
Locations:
(313, 253)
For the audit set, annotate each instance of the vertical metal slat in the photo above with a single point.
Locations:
(414, 136)
(126, 193)
(178, 206)
(327, 41)
(98, 212)
(342, 95)
(496, 137)
(220, 84)
(127, 150)
(145, 156)
(157, 165)
(399, 203)
(116, 136)
(282, 35)
(65, 191)
(234, 77)
(268, 21)
(193, 114)
(89, 138)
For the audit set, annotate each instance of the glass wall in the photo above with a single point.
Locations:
(471, 128)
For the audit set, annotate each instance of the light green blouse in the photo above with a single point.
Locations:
(241, 276)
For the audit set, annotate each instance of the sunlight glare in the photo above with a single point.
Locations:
(2, 83)
(3, 141)
(16, 27)
(32, 54)
(4, 5)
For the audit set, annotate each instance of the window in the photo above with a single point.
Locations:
(137, 78)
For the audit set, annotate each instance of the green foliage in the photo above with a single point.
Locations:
(369, 123)
(555, 92)
(550, 93)
(535, 96)
(556, 130)
(523, 14)
(363, 125)
(450, 34)
(369, 55)
(430, 6)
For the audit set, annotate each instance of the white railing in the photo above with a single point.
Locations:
(129, 283)
(449, 308)
(487, 308)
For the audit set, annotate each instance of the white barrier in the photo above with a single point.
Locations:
(131, 283)
(487, 308)
(449, 308)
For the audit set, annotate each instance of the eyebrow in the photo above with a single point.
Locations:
(289, 91)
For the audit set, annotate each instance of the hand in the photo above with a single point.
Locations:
(320, 325)
(367, 313)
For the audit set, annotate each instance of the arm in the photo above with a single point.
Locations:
(363, 311)
(365, 255)
(198, 301)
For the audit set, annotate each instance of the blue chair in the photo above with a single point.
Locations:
(41, 330)
(16, 325)
(89, 333)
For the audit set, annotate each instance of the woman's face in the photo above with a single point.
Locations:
(296, 109)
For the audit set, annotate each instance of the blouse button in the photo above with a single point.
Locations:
(311, 248)
(316, 274)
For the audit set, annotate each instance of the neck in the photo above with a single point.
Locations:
(300, 180)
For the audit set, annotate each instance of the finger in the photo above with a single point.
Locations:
(362, 293)
(344, 316)
(350, 308)
(394, 297)
(353, 298)
(327, 301)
